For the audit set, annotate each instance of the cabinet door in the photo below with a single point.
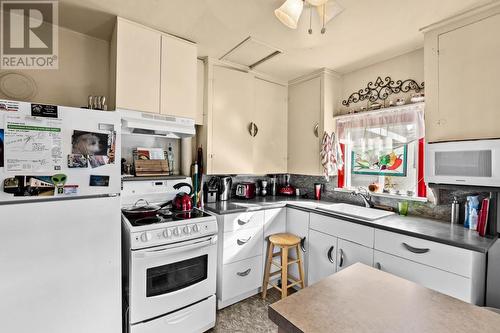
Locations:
(349, 253)
(231, 116)
(322, 249)
(274, 223)
(469, 68)
(269, 147)
(200, 92)
(430, 277)
(137, 67)
(304, 108)
(178, 77)
(297, 223)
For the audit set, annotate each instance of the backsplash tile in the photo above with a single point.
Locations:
(440, 211)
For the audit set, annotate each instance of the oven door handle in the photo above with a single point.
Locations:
(189, 245)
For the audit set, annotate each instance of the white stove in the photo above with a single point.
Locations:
(169, 263)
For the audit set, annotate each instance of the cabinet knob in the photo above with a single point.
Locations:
(316, 130)
(341, 263)
(253, 129)
(303, 244)
(329, 254)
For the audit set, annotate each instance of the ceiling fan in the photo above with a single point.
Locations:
(290, 11)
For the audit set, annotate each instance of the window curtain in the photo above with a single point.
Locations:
(382, 129)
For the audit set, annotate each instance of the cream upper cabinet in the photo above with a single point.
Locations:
(304, 108)
(461, 74)
(270, 117)
(231, 143)
(244, 121)
(152, 71)
(311, 105)
(137, 67)
(200, 91)
(178, 77)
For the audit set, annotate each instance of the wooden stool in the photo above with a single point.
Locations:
(284, 241)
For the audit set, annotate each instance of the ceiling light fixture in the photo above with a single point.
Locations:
(290, 11)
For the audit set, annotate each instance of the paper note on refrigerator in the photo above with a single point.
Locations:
(32, 144)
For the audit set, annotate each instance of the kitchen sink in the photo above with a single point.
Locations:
(354, 211)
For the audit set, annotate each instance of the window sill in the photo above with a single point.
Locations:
(385, 195)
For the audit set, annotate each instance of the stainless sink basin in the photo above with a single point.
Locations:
(354, 211)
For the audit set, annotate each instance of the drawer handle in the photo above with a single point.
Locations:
(329, 254)
(242, 222)
(244, 273)
(303, 244)
(341, 263)
(415, 249)
(243, 241)
(378, 266)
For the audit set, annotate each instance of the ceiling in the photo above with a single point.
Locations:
(368, 31)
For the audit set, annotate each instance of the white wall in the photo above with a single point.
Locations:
(83, 70)
(407, 66)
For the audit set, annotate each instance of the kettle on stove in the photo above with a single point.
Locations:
(183, 201)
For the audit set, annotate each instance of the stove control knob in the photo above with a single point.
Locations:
(167, 233)
(187, 230)
(145, 237)
(196, 228)
(177, 231)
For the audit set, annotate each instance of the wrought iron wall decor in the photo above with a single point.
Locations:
(381, 89)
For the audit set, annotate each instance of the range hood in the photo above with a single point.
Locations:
(140, 123)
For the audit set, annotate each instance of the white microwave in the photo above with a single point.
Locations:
(475, 163)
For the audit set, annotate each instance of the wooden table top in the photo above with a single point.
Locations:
(363, 299)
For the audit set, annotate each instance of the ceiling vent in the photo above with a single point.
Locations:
(251, 53)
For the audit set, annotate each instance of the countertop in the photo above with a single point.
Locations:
(433, 230)
(363, 299)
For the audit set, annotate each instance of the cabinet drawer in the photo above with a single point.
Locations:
(433, 278)
(242, 244)
(445, 257)
(241, 277)
(245, 220)
(353, 232)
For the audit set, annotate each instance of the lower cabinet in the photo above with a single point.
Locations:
(448, 269)
(297, 223)
(322, 254)
(430, 277)
(240, 278)
(274, 223)
(349, 253)
(242, 252)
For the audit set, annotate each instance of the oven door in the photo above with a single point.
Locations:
(166, 278)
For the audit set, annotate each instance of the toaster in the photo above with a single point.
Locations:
(245, 190)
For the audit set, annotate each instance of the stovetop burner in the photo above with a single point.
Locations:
(167, 216)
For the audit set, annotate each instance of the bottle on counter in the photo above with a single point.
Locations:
(455, 211)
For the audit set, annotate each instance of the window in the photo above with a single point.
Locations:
(384, 149)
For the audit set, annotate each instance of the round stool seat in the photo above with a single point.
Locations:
(284, 239)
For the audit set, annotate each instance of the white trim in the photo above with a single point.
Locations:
(315, 74)
(483, 8)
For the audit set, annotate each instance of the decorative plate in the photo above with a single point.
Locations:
(17, 86)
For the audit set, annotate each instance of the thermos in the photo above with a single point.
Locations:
(455, 211)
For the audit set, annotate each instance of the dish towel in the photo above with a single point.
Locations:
(331, 156)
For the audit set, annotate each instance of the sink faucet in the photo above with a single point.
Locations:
(367, 199)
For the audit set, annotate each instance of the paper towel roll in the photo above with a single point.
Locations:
(186, 156)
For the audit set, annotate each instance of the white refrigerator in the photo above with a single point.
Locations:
(59, 219)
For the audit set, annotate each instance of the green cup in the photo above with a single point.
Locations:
(403, 208)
